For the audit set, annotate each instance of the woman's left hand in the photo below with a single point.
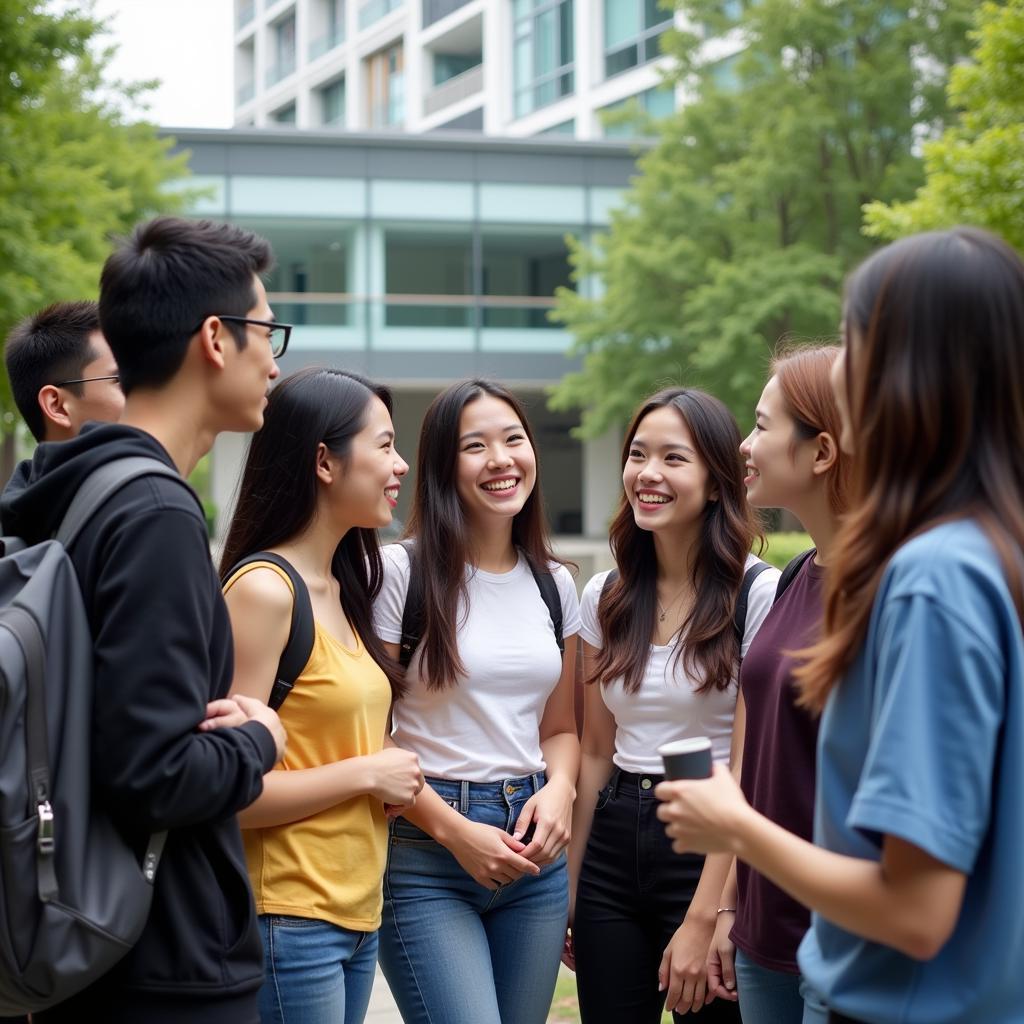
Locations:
(702, 814)
(550, 812)
(683, 969)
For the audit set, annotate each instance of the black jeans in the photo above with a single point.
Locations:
(838, 1018)
(633, 894)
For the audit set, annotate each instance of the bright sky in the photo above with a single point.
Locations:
(187, 44)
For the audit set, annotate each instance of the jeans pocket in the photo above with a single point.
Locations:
(405, 833)
(603, 796)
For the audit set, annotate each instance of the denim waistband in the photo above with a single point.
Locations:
(501, 791)
(639, 784)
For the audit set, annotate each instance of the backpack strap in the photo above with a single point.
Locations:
(102, 483)
(413, 614)
(739, 618)
(789, 573)
(301, 635)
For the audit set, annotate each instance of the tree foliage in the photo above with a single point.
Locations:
(974, 173)
(746, 212)
(73, 169)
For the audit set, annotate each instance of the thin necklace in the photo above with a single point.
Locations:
(664, 610)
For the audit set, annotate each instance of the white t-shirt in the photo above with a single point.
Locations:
(667, 706)
(486, 727)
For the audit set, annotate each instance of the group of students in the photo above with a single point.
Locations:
(423, 795)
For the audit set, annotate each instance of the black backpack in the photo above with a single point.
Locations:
(302, 634)
(739, 615)
(789, 573)
(414, 612)
(73, 897)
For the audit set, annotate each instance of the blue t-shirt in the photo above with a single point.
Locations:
(924, 740)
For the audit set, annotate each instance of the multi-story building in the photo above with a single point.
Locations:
(501, 67)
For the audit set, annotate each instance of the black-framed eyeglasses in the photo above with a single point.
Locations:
(277, 333)
(85, 380)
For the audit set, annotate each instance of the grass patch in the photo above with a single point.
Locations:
(784, 547)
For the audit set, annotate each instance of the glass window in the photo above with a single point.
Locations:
(374, 10)
(332, 104)
(385, 93)
(563, 128)
(451, 65)
(284, 115)
(632, 33)
(327, 26)
(655, 103)
(311, 282)
(521, 271)
(428, 278)
(543, 53)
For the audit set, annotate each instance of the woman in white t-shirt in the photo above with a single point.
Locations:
(476, 890)
(663, 637)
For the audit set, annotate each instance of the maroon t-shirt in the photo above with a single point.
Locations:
(778, 766)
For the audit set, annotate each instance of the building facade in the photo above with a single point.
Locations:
(419, 260)
(501, 67)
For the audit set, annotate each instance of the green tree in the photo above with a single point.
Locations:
(746, 212)
(74, 169)
(974, 173)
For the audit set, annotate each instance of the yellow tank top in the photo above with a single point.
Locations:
(328, 866)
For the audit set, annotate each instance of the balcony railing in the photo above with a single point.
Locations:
(245, 93)
(245, 14)
(280, 71)
(373, 10)
(469, 83)
(326, 43)
(435, 10)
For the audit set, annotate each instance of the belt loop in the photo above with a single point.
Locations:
(464, 796)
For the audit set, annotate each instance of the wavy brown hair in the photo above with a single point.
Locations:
(803, 375)
(437, 523)
(626, 610)
(934, 328)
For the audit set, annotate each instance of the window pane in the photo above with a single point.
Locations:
(621, 21)
(655, 14)
(419, 266)
(621, 60)
(545, 47)
(566, 47)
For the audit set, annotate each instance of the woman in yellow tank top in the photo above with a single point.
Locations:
(320, 478)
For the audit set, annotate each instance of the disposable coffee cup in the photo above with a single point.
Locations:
(687, 759)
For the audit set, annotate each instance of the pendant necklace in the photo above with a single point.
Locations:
(663, 610)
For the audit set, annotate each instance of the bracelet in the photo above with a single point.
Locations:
(725, 910)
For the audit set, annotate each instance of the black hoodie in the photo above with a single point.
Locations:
(163, 649)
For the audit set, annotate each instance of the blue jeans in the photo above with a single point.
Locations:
(316, 972)
(454, 952)
(775, 997)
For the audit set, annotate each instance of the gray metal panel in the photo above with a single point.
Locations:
(423, 368)
(471, 121)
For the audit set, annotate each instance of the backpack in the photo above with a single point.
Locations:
(414, 612)
(73, 896)
(789, 573)
(301, 635)
(739, 615)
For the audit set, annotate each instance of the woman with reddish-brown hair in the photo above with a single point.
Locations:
(793, 461)
(663, 637)
(915, 881)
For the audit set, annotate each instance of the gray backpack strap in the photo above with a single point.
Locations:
(103, 482)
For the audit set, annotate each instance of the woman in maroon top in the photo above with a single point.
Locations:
(793, 462)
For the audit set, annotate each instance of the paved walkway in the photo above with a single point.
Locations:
(382, 1005)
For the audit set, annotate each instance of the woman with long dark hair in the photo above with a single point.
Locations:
(321, 477)
(663, 637)
(793, 461)
(915, 883)
(475, 892)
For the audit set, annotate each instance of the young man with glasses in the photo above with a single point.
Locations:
(62, 371)
(187, 319)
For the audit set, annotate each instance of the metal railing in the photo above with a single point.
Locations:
(469, 83)
(326, 43)
(245, 93)
(280, 71)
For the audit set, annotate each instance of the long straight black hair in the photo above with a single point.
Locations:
(278, 493)
(728, 528)
(437, 523)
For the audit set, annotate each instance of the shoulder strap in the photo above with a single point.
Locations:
(549, 591)
(739, 619)
(789, 573)
(413, 614)
(102, 483)
(302, 634)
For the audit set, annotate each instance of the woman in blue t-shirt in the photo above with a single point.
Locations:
(915, 880)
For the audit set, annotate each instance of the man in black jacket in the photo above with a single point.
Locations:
(176, 301)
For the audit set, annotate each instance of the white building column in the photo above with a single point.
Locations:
(602, 481)
(226, 460)
(587, 22)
